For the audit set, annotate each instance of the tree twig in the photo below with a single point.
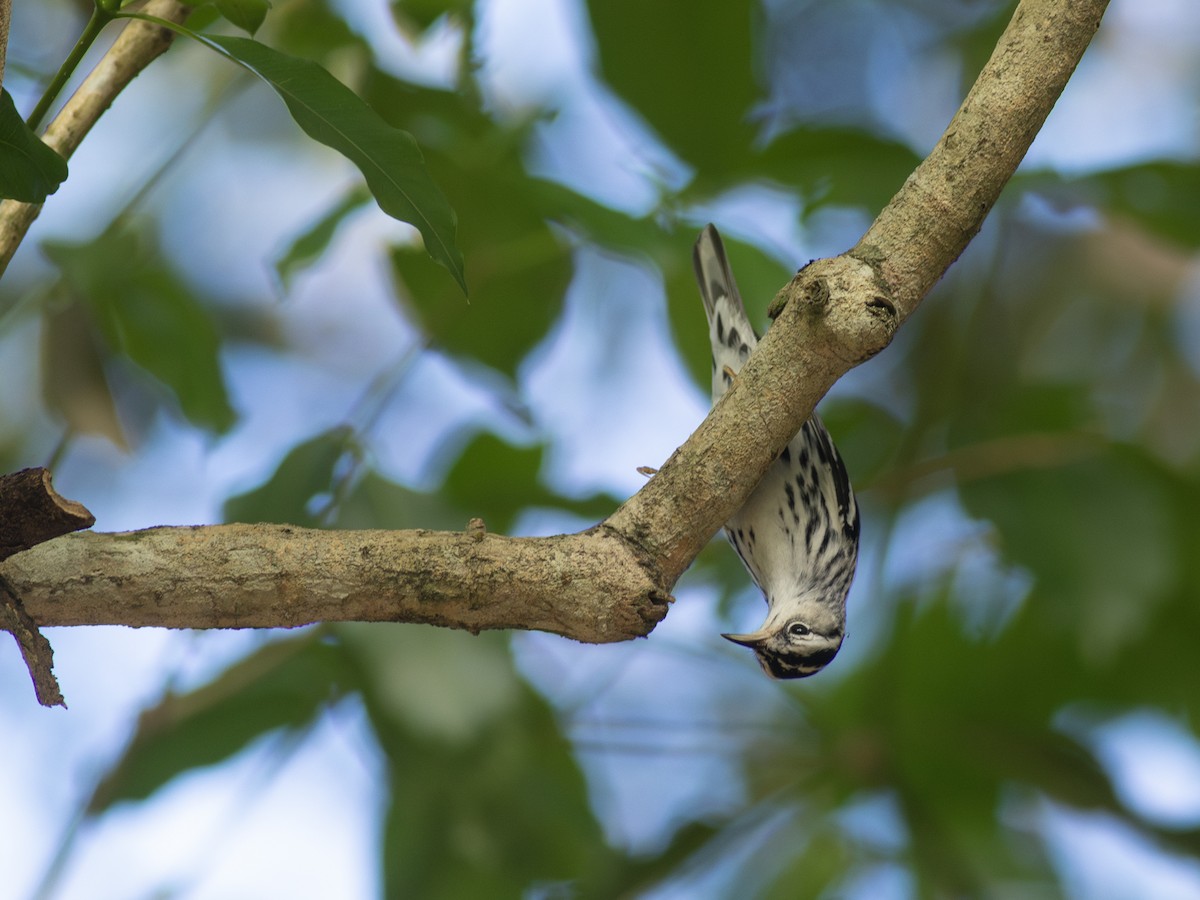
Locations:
(138, 44)
(32, 512)
(35, 649)
(5, 21)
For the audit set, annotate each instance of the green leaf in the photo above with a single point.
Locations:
(332, 114)
(1114, 506)
(519, 280)
(636, 876)
(520, 267)
(29, 170)
(308, 246)
(423, 13)
(496, 481)
(1157, 194)
(316, 31)
(146, 312)
(307, 472)
(285, 684)
(376, 502)
(842, 166)
(867, 435)
(480, 770)
(247, 15)
(819, 862)
(688, 68)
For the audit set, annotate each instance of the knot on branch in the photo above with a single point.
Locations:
(848, 300)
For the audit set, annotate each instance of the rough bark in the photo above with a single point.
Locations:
(613, 581)
(32, 512)
(838, 312)
(587, 586)
(5, 20)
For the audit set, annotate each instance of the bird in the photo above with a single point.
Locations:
(797, 533)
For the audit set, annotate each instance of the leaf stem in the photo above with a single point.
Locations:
(100, 18)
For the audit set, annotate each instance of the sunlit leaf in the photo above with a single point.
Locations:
(29, 170)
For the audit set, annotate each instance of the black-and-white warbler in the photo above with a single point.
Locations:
(798, 532)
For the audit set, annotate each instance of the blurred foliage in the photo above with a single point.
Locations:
(145, 314)
(283, 686)
(1045, 394)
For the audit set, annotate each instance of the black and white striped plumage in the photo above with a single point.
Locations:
(798, 531)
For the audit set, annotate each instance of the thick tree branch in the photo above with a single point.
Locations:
(587, 586)
(613, 581)
(138, 45)
(942, 205)
(836, 313)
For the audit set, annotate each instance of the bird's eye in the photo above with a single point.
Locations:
(798, 629)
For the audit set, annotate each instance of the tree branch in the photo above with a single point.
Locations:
(839, 312)
(587, 586)
(942, 205)
(5, 21)
(613, 581)
(138, 45)
(31, 512)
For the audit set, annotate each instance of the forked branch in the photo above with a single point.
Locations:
(611, 582)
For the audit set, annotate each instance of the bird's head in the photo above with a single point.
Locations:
(793, 646)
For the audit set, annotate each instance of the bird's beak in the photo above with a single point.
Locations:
(748, 640)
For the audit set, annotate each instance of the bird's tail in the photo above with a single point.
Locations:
(729, 328)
